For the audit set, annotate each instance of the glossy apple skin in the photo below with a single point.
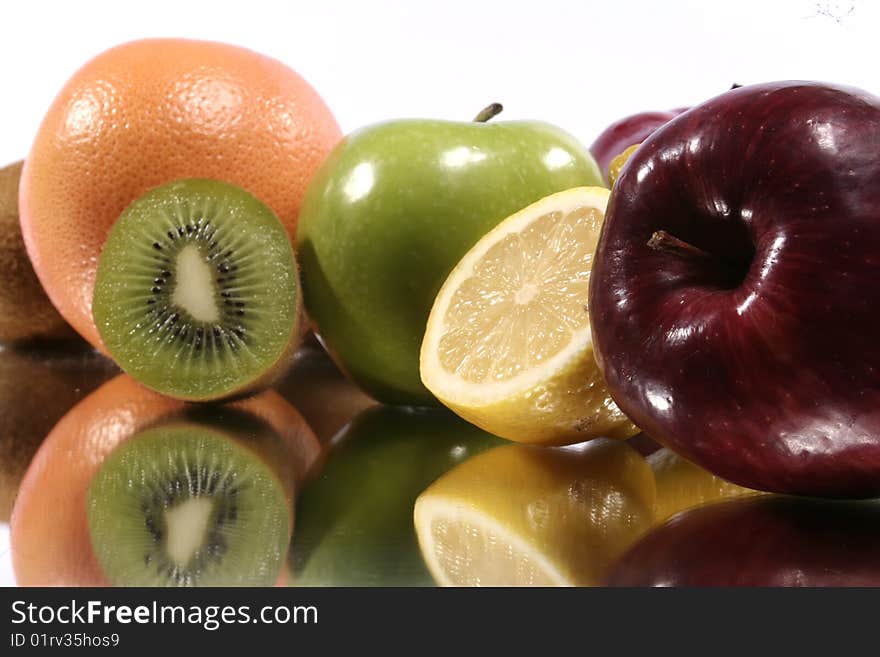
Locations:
(630, 130)
(768, 541)
(392, 211)
(768, 377)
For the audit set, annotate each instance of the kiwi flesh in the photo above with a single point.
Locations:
(26, 314)
(197, 292)
(190, 502)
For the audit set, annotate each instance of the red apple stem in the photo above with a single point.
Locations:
(488, 112)
(663, 241)
(666, 243)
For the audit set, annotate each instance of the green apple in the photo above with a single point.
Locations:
(354, 521)
(393, 209)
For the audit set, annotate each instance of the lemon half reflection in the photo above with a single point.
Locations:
(683, 485)
(529, 516)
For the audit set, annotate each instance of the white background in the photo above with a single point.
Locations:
(580, 65)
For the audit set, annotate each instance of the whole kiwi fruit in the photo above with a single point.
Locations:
(26, 314)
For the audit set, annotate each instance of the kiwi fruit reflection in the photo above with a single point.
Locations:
(193, 501)
(53, 541)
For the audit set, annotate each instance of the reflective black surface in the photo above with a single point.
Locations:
(763, 541)
(314, 484)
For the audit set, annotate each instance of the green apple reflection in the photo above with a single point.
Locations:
(354, 521)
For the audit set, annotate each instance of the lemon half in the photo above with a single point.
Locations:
(507, 344)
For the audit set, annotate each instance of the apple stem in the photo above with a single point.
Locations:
(488, 112)
(663, 241)
(666, 243)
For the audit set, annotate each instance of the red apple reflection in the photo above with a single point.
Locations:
(764, 541)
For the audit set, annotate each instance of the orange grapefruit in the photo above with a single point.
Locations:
(149, 112)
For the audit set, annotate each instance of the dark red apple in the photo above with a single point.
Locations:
(766, 541)
(744, 336)
(622, 134)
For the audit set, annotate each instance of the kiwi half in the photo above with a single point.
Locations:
(192, 503)
(197, 291)
(26, 314)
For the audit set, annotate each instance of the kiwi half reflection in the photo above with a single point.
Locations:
(51, 538)
(193, 502)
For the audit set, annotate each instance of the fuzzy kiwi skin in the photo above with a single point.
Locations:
(26, 314)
